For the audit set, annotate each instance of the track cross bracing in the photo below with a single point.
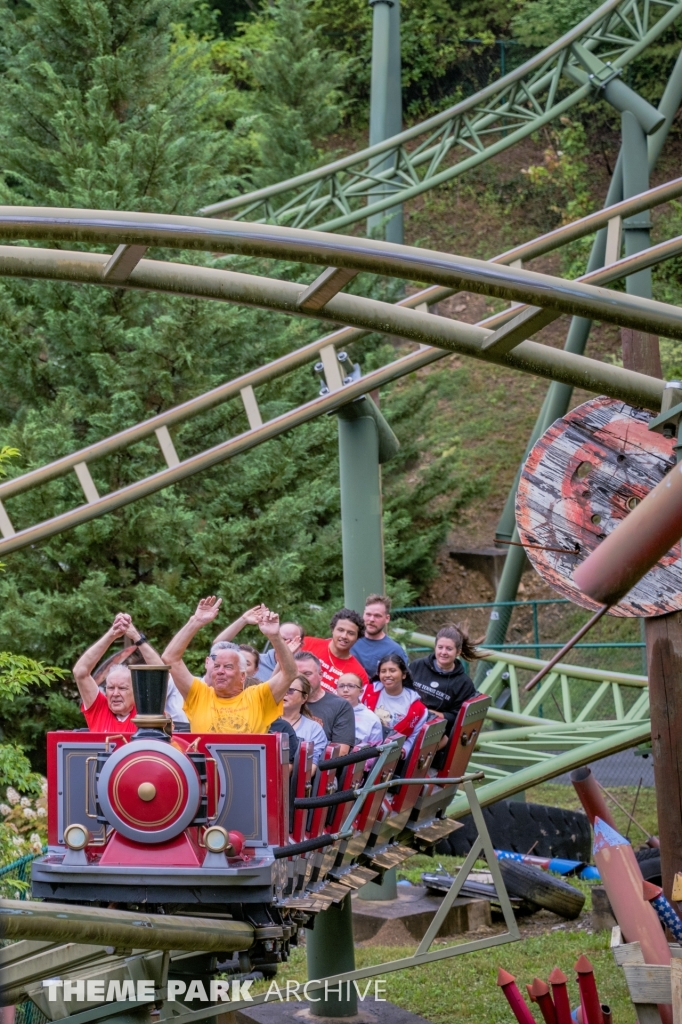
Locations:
(437, 335)
(376, 179)
(587, 714)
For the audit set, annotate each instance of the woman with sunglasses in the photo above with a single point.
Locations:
(393, 699)
(298, 716)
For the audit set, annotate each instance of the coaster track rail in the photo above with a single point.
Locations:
(374, 180)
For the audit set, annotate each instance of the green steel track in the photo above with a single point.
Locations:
(528, 748)
(436, 335)
(534, 747)
(380, 177)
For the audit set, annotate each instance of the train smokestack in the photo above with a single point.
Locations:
(150, 686)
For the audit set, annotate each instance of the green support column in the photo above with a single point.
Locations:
(330, 950)
(365, 441)
(637, 229)
(386, 114)
(361, 531)
(383, 890)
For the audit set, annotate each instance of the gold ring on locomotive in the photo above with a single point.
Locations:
(149, 791)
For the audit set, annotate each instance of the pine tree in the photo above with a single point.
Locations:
(109, 105)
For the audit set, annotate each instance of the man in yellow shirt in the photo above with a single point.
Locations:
(225, 706)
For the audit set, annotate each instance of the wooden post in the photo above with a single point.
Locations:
(664, 667)
(676, 989)
(663, 633)
(664, 664)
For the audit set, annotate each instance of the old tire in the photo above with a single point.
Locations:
(519, 827)
(546, 891)
(649, 860)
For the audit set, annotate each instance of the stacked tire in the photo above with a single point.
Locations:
(526, 828)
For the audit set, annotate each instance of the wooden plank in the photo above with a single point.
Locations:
(580, 480)
(648, 983)
(664, 663)
(677, 886)
(647, 1013)
(676, 989)
(628, 953)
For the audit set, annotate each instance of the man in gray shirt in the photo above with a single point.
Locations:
(336, 715)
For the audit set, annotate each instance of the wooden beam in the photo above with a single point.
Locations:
(325, 288)
(676, 989)
(648, 983)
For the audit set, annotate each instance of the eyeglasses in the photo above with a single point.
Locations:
(292, 690)
(348, 686)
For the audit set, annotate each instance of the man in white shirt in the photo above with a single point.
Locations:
(368, 729)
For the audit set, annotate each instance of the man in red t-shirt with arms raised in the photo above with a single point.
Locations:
(115, 712)
(334, 654)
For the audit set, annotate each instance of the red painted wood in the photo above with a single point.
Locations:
(575, 488)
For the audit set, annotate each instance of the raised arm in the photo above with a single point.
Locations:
(247, 618)
(84, 667)
(151, 657)
(207, 609)
(282, 679)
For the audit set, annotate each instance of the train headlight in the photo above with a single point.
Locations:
(217, 840)
(76, 837)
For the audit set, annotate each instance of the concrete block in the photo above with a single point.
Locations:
(370, 1011)
(406, 919)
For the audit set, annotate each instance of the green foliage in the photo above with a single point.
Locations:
(16, 772)
(448, 47)
(283, 92)
(19, 673)
(128, 115)
(560, 185)
(23, 819)
(540, 22)
(668, 288)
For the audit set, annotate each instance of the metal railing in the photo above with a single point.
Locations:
(20, 871)
(571, 694)
(537, 645)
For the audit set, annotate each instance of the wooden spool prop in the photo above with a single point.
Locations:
(586, 473)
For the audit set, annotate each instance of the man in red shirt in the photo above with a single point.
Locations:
(334, 654)
(113, 713)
